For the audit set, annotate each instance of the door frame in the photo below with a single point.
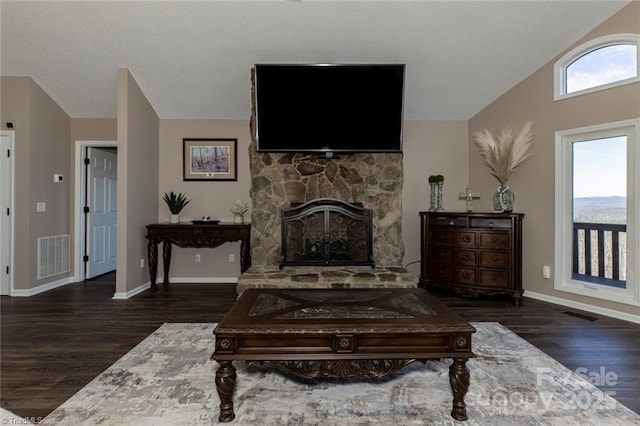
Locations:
(79, 202)
(12, 138)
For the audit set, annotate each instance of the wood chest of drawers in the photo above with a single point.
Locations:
(472, 254)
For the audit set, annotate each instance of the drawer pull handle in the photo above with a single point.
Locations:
(466, 238)
(494, 239)
(494, 258)
(495, 277)
(467, 275)
(490, 223)
(467, 257)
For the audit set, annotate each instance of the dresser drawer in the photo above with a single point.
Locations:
(491, 278)
(441, 273)
(442, 255)
(495, 240)
(466, 275)
(486, 222)
(466, 239)
(466, 257)
(449, 221)
(442, 237)
(495, 259)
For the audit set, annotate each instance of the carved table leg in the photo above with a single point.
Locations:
(225, 384)
(152, 254)
(166, 261)
(459, 379)
(245, 254)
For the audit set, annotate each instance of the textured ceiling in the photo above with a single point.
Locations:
(193, 59)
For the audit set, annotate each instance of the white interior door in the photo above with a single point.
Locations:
(101, 222)
(6, 231)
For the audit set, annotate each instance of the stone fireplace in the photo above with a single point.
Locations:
(281, 181)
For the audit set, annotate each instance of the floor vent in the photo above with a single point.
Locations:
(582, 316)
(53, 255)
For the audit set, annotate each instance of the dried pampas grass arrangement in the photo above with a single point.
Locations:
(506, 152)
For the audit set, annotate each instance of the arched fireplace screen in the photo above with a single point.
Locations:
(326, 231)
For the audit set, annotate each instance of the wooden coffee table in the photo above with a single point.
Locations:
(320, 333)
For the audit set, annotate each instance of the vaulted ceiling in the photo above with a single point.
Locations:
(193, 59)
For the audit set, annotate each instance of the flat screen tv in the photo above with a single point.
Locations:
(326, 109)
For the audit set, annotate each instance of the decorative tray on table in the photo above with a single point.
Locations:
(205, 221)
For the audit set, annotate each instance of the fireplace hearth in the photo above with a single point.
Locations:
(327, 232)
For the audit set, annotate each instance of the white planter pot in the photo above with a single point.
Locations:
(175, 218)
(238, 219)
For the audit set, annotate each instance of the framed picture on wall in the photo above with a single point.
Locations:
(210, 159)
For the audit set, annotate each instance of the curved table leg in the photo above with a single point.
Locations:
(225, 384)
(152, 255)
(459, 380)
(166, 261)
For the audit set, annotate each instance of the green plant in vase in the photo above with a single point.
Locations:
(502, 155)
(175, 202)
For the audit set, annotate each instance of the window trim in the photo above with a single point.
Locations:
(560, 67)
(564, 221)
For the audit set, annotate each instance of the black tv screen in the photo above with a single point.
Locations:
(329, 108)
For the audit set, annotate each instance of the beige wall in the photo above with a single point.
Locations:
(138, 135)
(430, 147)
(42, 131)
(93, 129)
(208, 198)
(533, 183)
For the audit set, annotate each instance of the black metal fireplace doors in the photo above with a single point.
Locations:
(327, 232)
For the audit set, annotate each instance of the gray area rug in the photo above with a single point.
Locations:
(168, 380)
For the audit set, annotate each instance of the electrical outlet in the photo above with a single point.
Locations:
(197, 257)
(546, 272)
(232, 257)
(142, 263)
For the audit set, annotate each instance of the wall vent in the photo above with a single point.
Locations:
(53, 255)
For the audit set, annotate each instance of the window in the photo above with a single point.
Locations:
(597, 212)
(599, 64)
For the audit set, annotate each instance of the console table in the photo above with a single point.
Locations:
(190, 235)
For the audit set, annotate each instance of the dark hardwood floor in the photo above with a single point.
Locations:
(54, 343)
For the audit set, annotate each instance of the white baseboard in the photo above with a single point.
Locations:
(583, 306)
(129, 294)
(209, 280)
(41, 288)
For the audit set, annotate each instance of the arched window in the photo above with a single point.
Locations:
(598, 64)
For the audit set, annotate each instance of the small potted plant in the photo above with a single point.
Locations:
(175, 202)
(238, 208)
